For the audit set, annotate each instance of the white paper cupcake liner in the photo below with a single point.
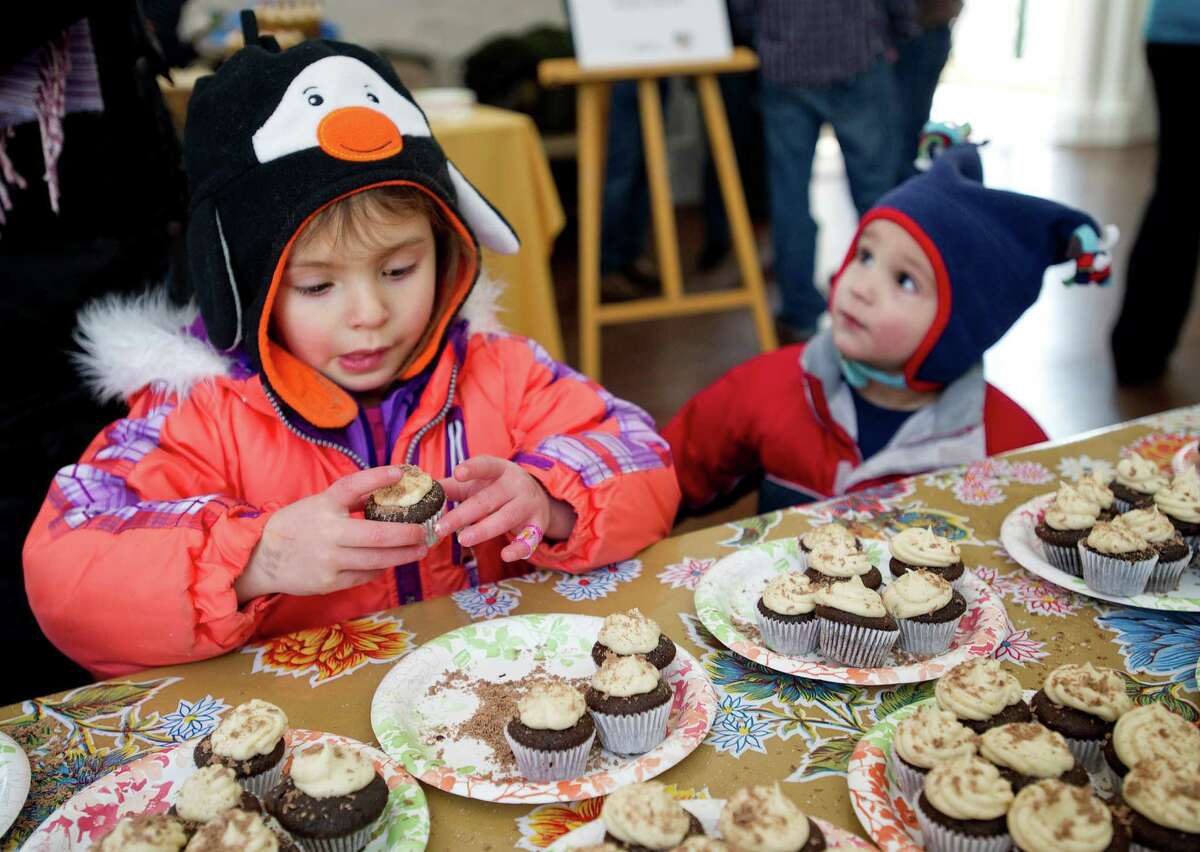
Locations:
(1064, 558)
(860, 647)
(546, 765)
(1113, 576)
(909, 780)
(803, 556)
(634, 733)
(790, 638)
(262, 782)
(1165, 576)
(1089, 753)
(431, 536)
(939, 838)
(349, 843)
(926, 639)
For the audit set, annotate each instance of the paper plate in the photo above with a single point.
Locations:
(14, 781)
(1018, 538)
(728, 594)
(1188, 456)
(407, 721)
(150, 784)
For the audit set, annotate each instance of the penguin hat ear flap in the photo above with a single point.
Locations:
(250, 33)
(492, 230)
(212, 278)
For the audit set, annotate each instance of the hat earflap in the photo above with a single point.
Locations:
(489, 226)
(213, 282)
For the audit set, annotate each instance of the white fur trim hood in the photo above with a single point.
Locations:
(129, 342)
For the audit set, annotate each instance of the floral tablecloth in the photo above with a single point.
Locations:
(769, 726)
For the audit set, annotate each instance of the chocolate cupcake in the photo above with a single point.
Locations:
(920, 548)
(628, 633)
(1083, 703)
(645, 817)
(1150, 731)
(927, 611)
(926, 738)
(827, 566)
(963, 807)
(762, 818)
(854, 627)
(159, 833)
(1163, 797)
(249, 740)
(416, 499)
(834, 538)
(1116, 561)
(210, 792)
(982, 695)
(239, 831)
(552, 734)
(630, 703)
(1180, 502)
(1174, 553)
(330, 799)
(1026, 752)
(1066, 522)
(1136, 482)
(1050, 816)
(787, 616)
(1094, 487)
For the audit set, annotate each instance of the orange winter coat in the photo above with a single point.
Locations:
(132, 560)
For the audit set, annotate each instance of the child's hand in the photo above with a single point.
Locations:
(495, 497)
(314, 547)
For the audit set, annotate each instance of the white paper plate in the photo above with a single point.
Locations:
(14, 781)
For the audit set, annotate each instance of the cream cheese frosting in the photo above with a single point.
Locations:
(1071, 509)
(1027, 748)
(553, 706)
(1181, 499)
(832, 537)
(208, 793)
(645, 815)
(159, 833)
(1095, 488)
(629, 633)
(845, 564)
(968, 788)
(790, 594)
(977, 689)
(1113, 540)
(1051, 816)
(1154, 731)
(1098, 691)
(325, 770)
(414, 484)
(916, 593)
(235, 830)
(931, 736)
(1149, 524)
(919, 546)
(853, 597)
(625, 676)
(250, 729)
(762, 819)
(1140, 474)
(1165, 792)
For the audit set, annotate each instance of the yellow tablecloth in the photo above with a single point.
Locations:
(769, 726)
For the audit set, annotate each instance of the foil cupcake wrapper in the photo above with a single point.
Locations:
(909, 780)
(634, 733)
(1112, 576)
(1165, 576)
(926, 639)
(859, 647)
(545, 765)
(1064, 558)
(1089, 754)
(792, 639)
(939, 838)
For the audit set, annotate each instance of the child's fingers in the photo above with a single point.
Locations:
(457, 492)
(378, 558)
(480, 467)
(356, 532)
(351, 491)
(511, 516)
(468, 512)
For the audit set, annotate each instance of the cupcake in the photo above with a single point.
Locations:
(1163, 797)
(552, 733)
(629, 633)
(1050, 816)
(415, 499)
(1150, 731)
(787, 615)
(763, 819)
(828, 566)
(1026, 752)
(630, 703)
(1067, 521)
(249, 740)
(1083, 703)
(918, 547)
(1136, 482)
(330, 799)
(703, 843)
(1116, 561)
(982, 695)
(962, 807)
(160, 833)
(834, 538)
(927, 611)
(1174, 554)
(853, 626)
(926, 738)
(645, 817)
(600, 847)
(1094, 487)
(239, 831)
(210, 792)
(1180, 502)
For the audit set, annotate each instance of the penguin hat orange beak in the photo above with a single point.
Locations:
(360, 134)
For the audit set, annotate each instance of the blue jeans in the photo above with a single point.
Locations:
(917, 72)
(862, 112)
(625, 212)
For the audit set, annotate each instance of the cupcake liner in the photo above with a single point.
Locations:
(348, 843)
(939, 838)
(633, 733)
(860, 647)
(1114, 576)
(926, 639)
(1064, 558)
(262, 782)
(550, 765)
(792, 639)
(1089, 753)
(1122, 506)
(909, 780)
(431, 536)
(1165, 576)
(802, 558)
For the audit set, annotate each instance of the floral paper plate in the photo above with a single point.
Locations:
(14, 781)
(708, 811)
(408, 722)
(888, 818)
(150, 784)
(1188, 456)
(728, 594)
(1018, 538)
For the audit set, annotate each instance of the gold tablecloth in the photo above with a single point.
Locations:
(769, 726)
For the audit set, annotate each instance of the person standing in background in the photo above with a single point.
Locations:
(822, 61)
(1162, 264)
(918, 69)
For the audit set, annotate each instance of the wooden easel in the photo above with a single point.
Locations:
(592, 116)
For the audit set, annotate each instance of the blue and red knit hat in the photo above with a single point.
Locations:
(989, 250)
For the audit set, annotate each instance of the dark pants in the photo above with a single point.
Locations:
(1162, 264)
(917, 72)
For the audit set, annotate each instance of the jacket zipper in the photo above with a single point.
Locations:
(411, 451)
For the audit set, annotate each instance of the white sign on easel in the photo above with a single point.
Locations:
(615, 33)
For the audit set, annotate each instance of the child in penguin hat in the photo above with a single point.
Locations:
(936, 273)
(343, 329)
